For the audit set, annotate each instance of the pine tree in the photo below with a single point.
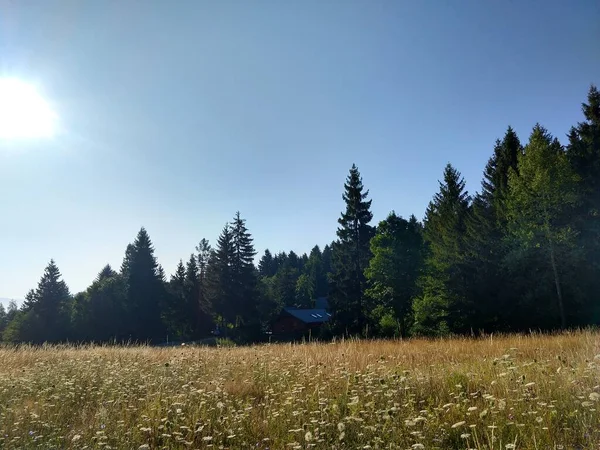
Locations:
(205, 322)
(99, 313)
(492, 291)
(267, 266)
(145, 289)
(105, 273)
(351, 254)
(444, 303)
(3, 319)
(392, 273)
(196, 316)
(219, 278)
(48, 309)
(244, 274)
(174, 313)
(542, 199)
(583, 153)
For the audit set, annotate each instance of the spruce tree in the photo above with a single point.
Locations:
(48, 309)
(267, 266)
(444, 303)
(3, 320)
(145, 289)
(351, 254)
(204, 252)
(392, 273)
(174, 312)
(99, 313)
(493, 292)
(541, 202)
(219, 278)
(583, 153)
(244, 276)
(105, 273)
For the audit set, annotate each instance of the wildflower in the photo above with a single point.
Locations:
(341, 427)
(144, 447)
(459, 424)
(417, 446)
(527, 386)
(308, 436)
(472, 408)
(594, 396)
(76, 438)
(539, 419)
(465, 435)
(342, 436)
(510, 446)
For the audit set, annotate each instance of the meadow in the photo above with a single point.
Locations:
(499, 392)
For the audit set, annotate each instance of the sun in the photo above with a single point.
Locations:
(24, 114)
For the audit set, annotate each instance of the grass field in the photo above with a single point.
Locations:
(512, 392)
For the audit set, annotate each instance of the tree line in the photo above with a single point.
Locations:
(522, 253)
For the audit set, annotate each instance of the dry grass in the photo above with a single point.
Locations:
(535, 392)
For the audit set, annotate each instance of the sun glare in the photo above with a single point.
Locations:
(24, 114)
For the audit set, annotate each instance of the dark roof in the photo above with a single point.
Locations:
(309, 315)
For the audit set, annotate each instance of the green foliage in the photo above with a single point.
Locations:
(100, 313)
(397, 249)
(351, 254)
(146, 292)
(445, 283)
(542, 198)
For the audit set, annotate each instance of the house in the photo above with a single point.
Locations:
(296, 322)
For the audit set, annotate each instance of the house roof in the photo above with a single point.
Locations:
(309, 315)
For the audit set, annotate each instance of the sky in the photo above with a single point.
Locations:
(175, 115)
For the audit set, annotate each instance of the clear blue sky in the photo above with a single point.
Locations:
(176, 114)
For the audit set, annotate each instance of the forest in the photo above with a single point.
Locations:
(521, 254)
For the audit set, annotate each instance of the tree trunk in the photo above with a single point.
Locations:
(563, 321)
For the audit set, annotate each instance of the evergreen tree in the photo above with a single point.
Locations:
(99, 313)
(145, 289)
(46, 316)
(492, 291)
(197, 317)
(444, 303)
(392, 273)
(3, 319)
(219, 279)
(105, 273)
(351, 254)
(583, 153)
(244, 276)
(542, 199)
(304, 292)
(174, 314)
(267, 266)
(205, 322)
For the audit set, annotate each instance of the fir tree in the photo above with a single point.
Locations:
(392, 273)
(542, 198)
(444, 303)
(351, 254)
(145, 289)
(48, 309)
(267, 266)
(492, 291)
(220, 292)
(244, 278)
